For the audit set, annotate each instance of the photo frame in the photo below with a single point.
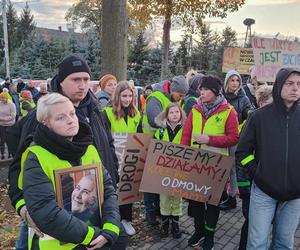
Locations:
(80, 191)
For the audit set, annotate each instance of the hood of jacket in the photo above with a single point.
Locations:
(231, 73)
(281, 77)
(103, 94)
(161, 120)
(163, 86)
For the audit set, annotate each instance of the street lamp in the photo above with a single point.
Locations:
(6, 52)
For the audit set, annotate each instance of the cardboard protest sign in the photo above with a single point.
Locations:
(131, 150)
(183, 171)
(240, 59)
(272, 54)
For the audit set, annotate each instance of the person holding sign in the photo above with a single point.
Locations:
(212, 125)
(124, 117)
(170, 122)
(62, 142)
(269, 154)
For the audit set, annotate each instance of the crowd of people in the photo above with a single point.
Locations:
(72, 125)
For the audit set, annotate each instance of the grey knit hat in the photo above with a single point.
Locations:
(195, 82)
(179, 84)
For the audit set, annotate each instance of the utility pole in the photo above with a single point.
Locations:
(5, 38)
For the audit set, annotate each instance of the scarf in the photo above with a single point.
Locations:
(209, 108)
(60, 146)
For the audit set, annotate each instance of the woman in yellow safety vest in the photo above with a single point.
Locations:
(124, 117)
(62, 142)
(212, 124)
(170, 123)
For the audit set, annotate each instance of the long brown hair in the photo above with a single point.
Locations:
(116, 101)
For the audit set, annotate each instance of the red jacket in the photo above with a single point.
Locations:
(231, 128)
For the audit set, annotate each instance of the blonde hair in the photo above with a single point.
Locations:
(189, 75)
(45, 102)
(226, 88)
(116, 101)
(263, 94)
(162, 118)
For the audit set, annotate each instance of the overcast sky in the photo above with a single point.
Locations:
(271, 16)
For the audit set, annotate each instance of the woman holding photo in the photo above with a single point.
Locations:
(62, 142)
(124, 117)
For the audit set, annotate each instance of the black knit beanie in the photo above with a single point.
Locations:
(211, 82)
(71, 64)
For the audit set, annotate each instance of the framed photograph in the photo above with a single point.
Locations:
(80, 191)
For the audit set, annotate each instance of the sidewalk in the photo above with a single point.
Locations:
(227, 236)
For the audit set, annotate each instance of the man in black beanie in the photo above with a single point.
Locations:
(72, 80)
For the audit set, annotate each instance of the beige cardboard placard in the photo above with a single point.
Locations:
(131, 150)
(183, 171)
(240, 59)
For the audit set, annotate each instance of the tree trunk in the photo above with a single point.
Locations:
(166, 42)
(114, 38)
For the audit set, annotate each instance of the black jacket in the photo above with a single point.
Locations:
(40, 197)
(272, 134)
(241, 104)
(88, 112)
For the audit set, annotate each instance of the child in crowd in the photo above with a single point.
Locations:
(170, 122)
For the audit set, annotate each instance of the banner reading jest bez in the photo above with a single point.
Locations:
(240, 59)
(131, 150)
(272, 54)
(183, 171)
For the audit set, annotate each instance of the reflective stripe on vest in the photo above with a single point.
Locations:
(49, 163)
(121, 126)
(214, 125)
(241, 125)
(164, 101)
(176, 140)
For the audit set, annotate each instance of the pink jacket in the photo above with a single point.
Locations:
(7, 114)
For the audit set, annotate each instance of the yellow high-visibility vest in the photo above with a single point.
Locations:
(164, 101)
(164, 131)
(214, 125)
(49, 163)
(120, 126)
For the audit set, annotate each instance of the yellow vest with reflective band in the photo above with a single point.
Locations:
(49, 163)
(241, 125)
(164, 101)
(214, 125)
(176, 140)
(23, 111)
(121, 126)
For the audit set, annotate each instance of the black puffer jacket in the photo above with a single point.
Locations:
(88, 112)
(40, 197)
(272, 135)
(241, 104)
